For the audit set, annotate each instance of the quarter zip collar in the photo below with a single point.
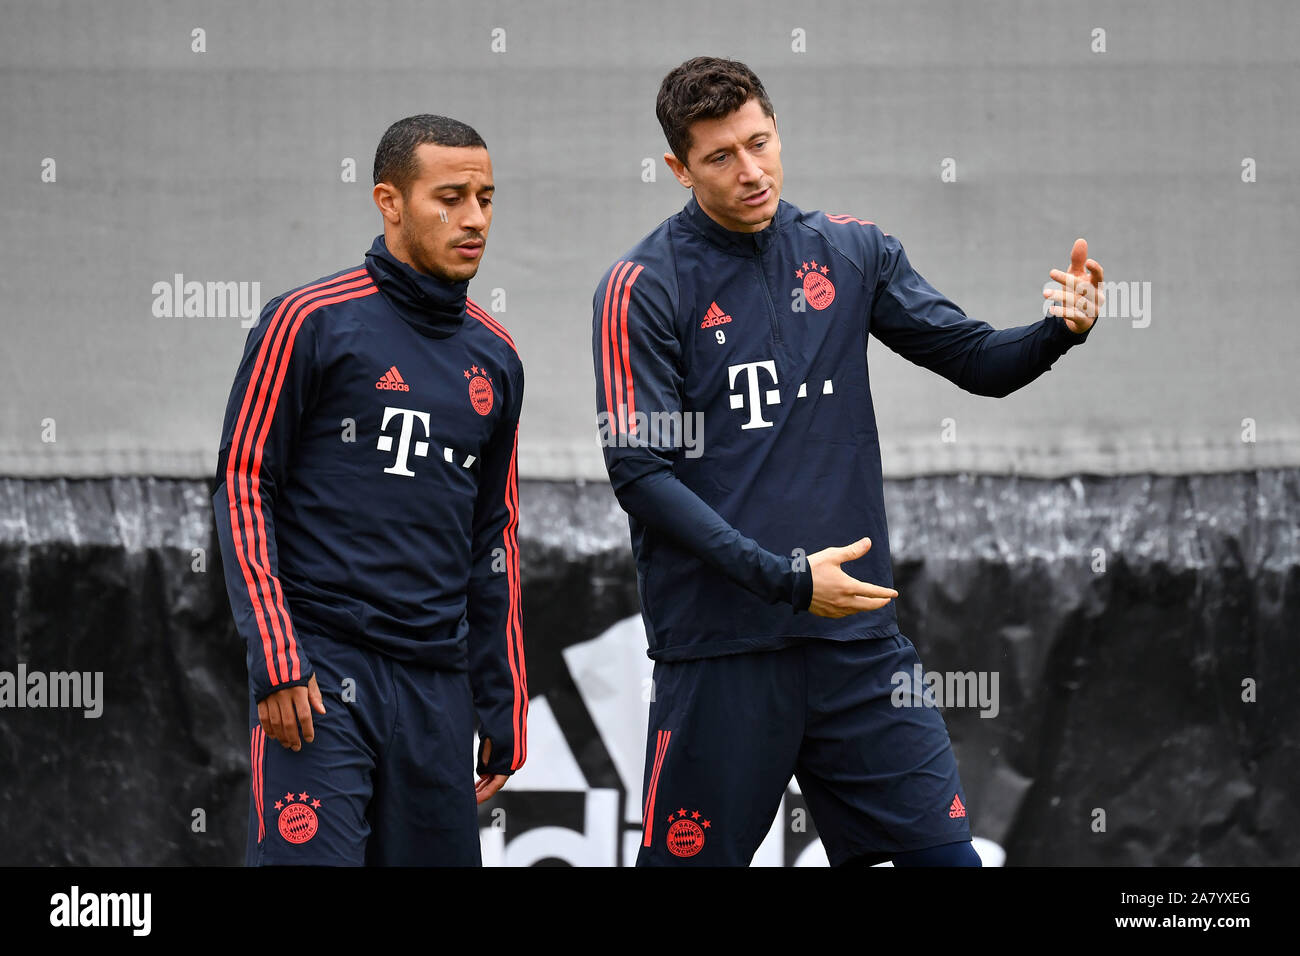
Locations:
(432, 306)
(738, 243)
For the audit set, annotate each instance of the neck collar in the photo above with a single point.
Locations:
(740, 243)
(432, 306)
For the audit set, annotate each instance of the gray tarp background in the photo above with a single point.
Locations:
(226, 166)
(1125, 613)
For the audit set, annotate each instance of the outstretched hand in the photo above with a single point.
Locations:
(1079, 300)
(836, 593)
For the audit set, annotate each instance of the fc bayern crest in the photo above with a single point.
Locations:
(686, 832)
(818, 290)
(480, 389)
(298, 822)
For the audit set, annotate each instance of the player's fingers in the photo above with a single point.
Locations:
(1094, 267)
(876, 591)
(276, 718)
(1092, 300)
(288, 722)
(274, 724)
(856, 588)
(302, 707)
(860, 603)
(263, 719)
(854, 604)
(1090, 304)
(1065, 278)
(488, 786)
(1079, 303)
(313, 695)
(1070, 300)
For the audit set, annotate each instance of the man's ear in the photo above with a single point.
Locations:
(389, 202)
(679, 170)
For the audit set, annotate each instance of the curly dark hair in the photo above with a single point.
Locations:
(704, 87)
(395, 160)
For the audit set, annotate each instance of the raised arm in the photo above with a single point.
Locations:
(917, 321)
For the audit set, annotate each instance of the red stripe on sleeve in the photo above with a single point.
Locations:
(610, 410)
(618, 407)
(514, 614)
(514, 623)
(627, 356)
(235, 490)
(243, 476)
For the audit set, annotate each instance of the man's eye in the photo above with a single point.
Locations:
(719, 159)
(485, 201)
(451, 200)
(760, 144)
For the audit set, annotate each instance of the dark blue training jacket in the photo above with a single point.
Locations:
(734, 407)
(367, 487)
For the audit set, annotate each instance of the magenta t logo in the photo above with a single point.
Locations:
(770, 396)
(400, 467)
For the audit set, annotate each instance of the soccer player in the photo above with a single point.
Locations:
(367, 508)
(734, 408)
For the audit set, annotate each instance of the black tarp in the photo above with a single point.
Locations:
(1121, 689)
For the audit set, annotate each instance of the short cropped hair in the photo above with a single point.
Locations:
(705, 87)
(395, 159)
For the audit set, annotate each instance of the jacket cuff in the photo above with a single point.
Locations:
(803, 588)
(1061, 332)
(261, 692)
(500, 762)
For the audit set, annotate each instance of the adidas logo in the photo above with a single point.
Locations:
(392, 380)
(715, 316)
(958, 809)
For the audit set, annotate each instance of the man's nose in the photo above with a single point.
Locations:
(749, 169)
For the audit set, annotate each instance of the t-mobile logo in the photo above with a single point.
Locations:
(409, 416)
(771, 396)
(421, 450)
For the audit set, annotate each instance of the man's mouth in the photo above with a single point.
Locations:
(470, 249)
(758, 198)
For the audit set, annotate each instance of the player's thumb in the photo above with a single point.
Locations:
(1078, 256)
(855, 550)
